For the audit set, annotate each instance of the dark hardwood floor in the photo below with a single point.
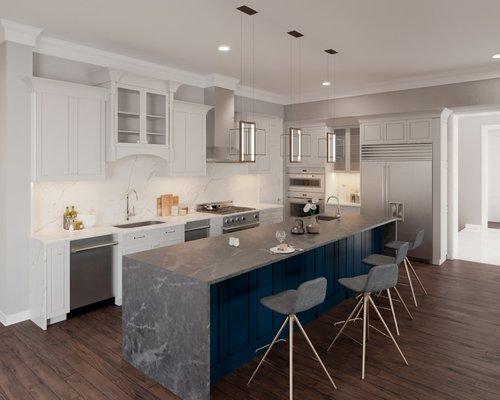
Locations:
(452, 345)
(493, 225)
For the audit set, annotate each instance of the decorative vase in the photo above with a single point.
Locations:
(313, 226)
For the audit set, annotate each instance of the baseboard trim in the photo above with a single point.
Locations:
(10, 319)
(473, 227)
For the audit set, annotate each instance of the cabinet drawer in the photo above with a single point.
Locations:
(167, 236)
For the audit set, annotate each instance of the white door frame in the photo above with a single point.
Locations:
(453, 121)
(485, 132)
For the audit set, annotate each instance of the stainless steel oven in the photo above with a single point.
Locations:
(296, 201)
(240, 222)
(305, 179)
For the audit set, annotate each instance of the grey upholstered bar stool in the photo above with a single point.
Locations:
(379, 278)
(380, 259)
(396, 244)
(290, 302)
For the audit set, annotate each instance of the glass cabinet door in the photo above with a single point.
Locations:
(340, 149)
(156, 119)
(354, 149)
(129, 111)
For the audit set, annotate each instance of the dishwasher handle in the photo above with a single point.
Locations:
(96, 246)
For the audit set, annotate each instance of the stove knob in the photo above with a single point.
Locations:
(231, 220)
(243, 218)
(236, 219)
(226, 221)
(256, 216)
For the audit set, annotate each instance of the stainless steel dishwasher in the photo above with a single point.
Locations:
(196, 230)
(91, 270)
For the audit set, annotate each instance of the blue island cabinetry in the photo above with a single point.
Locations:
(239, 324)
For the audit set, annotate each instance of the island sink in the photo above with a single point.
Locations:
(138, 224)
(326, 217)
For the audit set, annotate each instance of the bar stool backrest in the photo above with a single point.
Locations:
(310, 294)
(418, 240)
(401, 253)
(381, 277)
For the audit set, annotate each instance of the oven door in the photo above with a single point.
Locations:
(230, 229)
(296, 206)
(306, 182)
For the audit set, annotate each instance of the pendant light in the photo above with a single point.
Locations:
(247, 136)
(330, 136)
(295, 134)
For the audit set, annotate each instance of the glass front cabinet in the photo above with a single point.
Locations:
(139, 122)
(347, 149)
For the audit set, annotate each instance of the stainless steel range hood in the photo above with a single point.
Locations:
(220, 120)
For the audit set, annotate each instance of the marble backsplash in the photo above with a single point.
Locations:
(149, 177)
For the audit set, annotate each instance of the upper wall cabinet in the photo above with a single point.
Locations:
(139, 122)
(398, 130)
(347, 149)
(188, 157)
(68, 130)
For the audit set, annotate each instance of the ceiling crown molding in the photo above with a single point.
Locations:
(423, 81)
(223, 81)
(11, 31)
(259, 94)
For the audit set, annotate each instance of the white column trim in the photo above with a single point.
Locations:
(11, 31)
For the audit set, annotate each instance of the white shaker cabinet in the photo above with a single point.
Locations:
(188, 157)
(68, 130)
(49, 282)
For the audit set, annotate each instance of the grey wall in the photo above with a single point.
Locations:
(469, 167)
(245, 104)
(16, 62)
(423, 99)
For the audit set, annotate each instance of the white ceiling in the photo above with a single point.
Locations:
(381, 43)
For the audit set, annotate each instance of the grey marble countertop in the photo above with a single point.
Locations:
(212, 260)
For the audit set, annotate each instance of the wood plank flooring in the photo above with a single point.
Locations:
(452, 345)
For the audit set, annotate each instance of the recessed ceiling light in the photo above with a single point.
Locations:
(496, 55)
(224, 48)
(326, 83)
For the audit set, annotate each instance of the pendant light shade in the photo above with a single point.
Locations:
(248, 139)
(295, 138)
(330, 147)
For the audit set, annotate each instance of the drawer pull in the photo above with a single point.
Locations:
(139, 237)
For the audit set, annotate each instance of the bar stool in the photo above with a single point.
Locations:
(379, 278)
(290, 302)
(380, 259)
(396, 244)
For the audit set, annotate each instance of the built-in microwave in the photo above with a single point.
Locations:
(296, 201)
(306, 180)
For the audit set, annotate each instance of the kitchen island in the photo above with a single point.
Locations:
(191, 312)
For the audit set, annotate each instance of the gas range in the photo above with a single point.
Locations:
(240, 218)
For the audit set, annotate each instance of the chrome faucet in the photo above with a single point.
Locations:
(127, 196)
(337, 215)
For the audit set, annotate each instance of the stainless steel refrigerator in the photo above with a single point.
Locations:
(397, 180)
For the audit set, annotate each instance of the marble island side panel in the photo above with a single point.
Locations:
(166, 328)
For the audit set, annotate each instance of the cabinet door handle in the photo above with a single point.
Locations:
(140, 237)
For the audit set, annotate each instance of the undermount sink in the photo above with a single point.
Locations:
(138, 224)
(326, 217)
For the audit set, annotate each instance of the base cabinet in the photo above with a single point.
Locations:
(271, 216)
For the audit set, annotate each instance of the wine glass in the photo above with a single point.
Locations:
(280, 235)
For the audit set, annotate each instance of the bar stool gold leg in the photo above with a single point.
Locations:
(365, 307)
(416, 276)
(290, 354)
(345, 323)
(403, 302)
(314, 351)
(268, 349)
(388, 331)
(392, 310)
(411, 283)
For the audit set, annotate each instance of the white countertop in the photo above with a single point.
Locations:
(64, 235)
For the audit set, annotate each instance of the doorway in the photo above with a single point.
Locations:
(474, 186)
